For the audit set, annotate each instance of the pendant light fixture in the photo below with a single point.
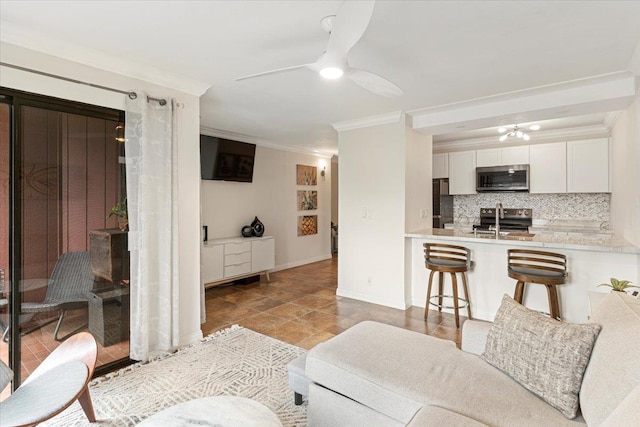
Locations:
(516, 132)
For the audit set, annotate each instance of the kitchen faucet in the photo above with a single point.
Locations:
(499, 214)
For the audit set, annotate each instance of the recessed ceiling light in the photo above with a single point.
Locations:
(331, 73)
(502, 130)
(534, 127)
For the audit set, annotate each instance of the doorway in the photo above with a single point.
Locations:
(61, 171)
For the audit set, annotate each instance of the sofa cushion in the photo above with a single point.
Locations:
(436, 416)
(396, 372)
(613, 371)
(546, 356)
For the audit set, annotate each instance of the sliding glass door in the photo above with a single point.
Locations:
(64, 173)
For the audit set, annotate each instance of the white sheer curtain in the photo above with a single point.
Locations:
(152, 208)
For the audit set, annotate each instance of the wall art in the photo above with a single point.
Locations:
(306, 175)
(307, 200)
(307, 225)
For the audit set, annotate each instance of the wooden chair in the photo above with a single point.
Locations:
(544, 268)
(450, 259)
(61, 379)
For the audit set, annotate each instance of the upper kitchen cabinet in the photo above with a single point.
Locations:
(462, 172)
(504, 156)
(548, 170)
(440, 166)
(588, 166)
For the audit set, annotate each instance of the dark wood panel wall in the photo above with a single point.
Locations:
(4, 190)
(70, 181)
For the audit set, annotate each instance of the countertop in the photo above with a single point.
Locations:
(598, 244)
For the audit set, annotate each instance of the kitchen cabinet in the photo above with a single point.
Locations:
(588, 166)
(462, 172)
(224, 260)
(440, 167)
(518, 155)
(548, 168)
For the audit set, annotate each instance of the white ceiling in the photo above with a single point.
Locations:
(439, 52)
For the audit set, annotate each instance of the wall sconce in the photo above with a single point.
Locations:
(119, 133)
(322, 172)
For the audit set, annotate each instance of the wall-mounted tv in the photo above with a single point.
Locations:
(226, 160)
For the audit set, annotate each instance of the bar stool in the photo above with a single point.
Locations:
(447, 259)
(545, 268)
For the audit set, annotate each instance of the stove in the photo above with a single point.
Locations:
(514, 219)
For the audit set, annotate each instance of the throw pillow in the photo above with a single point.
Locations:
(545, 356)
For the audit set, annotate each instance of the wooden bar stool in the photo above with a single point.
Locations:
(447, 259)
(544, 268)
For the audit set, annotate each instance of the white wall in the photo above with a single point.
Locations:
(625, 174)
(371, 211)
(418, 190)
(335, 179)
(228, 206)
(188, 123)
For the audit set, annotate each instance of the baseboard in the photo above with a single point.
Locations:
(478, 316)
(299, 263)
(399, 304)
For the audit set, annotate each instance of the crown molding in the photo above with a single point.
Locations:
(540, 136)
(610, 92)
(262, 142)
(381, 119)
(610, 119)
(39, 42)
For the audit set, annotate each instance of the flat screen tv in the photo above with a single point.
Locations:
(226, 160)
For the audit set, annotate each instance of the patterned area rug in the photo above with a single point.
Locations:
(233, 362)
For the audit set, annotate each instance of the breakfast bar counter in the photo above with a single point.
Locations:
(590, 261)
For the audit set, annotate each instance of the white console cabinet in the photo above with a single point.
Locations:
(224, 260)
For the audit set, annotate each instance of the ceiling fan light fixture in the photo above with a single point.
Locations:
(503, 137)
(502, 130)
(331, 73)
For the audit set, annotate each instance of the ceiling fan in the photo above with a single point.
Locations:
(345, 29)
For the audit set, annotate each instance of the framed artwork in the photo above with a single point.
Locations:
(226, 165)
(307, 200)
(306, 175)
(245, 167)
(307, 225)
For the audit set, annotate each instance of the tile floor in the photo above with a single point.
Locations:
(298, 306)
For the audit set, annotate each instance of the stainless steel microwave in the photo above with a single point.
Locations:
(502, 178)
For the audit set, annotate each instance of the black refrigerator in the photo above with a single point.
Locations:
(442, 203)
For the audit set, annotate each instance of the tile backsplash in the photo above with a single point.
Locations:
(551, 207)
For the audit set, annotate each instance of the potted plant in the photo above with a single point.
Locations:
(619, 285)
(120, 211)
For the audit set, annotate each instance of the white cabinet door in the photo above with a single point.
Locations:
(488, 157)
(588, 166)
(518, 155)
(548, 171)
(212, 263)
(462, 172)
(263, 254)
(505, 156)
(440, 166)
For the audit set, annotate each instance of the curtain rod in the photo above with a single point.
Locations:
(131, 95)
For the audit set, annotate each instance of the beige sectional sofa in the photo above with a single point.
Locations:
(379, 375)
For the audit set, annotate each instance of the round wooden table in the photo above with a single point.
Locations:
(222, 411)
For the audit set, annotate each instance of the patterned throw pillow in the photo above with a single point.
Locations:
(545, 356)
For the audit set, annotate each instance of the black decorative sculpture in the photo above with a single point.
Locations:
(257, 227)
(246, 231)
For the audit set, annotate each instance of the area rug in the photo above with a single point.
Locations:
(232, 362)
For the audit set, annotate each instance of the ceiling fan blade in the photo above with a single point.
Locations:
(349, 25)
(374, 83)
(280, 70)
